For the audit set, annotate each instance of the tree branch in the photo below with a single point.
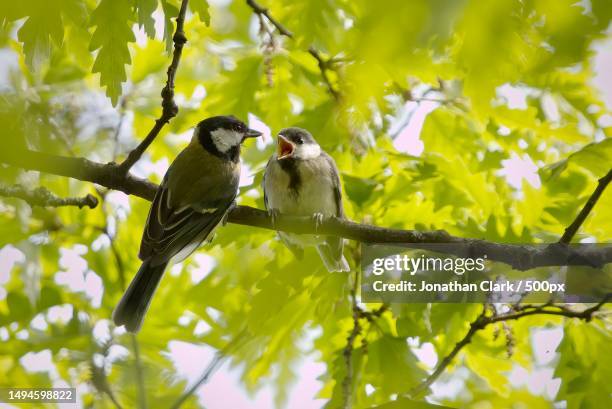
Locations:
(519, 257)
(169, 107)
(572, 229)
(107, 175)
(44, 198)
(483, 321)
(324, 64)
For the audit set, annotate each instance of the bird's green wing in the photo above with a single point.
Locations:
(189, 204)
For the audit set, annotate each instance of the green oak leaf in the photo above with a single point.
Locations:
(145, 9)
(596, 157)
(43, 26)
(170, 12)
(202, 8)
(111, 37)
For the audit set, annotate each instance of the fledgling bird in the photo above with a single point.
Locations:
(196, 193)
(302, 180)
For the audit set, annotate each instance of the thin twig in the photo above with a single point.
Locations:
(113, 399)
(100, 381)
(169, 107)
(266, 13)
(118, 260)
(142, 395)
(121, 109)
(213, 365)
(142, 392)
(572, 229)
(347, 382)
(324, 64)
(44, 198)
(475, 326)
(483, 321)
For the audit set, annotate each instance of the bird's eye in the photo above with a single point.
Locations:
(239, 127)
(300, 141)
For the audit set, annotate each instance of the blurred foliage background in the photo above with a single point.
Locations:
(478, 117)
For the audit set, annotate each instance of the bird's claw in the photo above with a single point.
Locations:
(273, 214)
(318, 220)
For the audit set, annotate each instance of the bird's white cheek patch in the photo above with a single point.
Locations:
(308, 151)
(225, 139)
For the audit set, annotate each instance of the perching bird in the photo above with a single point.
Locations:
(196, 193)
(302, 180)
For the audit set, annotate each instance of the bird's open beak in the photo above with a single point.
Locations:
(284, 147)
(252, 133)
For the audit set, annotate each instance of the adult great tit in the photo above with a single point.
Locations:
(302, 180)
(194, 196)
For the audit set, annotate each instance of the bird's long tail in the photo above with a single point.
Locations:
(332, 257)
(135, 302)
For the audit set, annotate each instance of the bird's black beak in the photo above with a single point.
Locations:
(252, 133)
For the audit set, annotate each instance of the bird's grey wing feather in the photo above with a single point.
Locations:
(263, 184)
(335, 176)
(335, 244)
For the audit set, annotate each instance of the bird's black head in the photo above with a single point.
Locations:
(222, 135)
(296, 143)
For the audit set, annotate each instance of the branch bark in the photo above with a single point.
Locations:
(572, 229)
(484, 320)
(520, 257)
(44, 198)
(108, 175)
(169, 107)
(323, 63)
